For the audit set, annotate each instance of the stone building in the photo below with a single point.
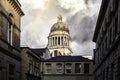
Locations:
(10, 18)
(59, 39)
(107, 39)
(68, 68)
(62, 65)
(30, 65)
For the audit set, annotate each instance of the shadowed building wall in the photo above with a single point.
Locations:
(10, 17)
(107, 39)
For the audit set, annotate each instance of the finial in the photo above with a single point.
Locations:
(59, 18)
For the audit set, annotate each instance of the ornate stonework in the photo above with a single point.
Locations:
(59, 39)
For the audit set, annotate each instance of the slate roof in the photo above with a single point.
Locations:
(68, 59)
(39, 51)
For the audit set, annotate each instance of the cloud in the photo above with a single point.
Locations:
(79, 15)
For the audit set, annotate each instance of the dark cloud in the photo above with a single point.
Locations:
(82, 26)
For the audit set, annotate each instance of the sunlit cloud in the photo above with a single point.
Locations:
(36, 3)
(40, 15)
(73, 5)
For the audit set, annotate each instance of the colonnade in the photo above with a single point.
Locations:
(59, 41)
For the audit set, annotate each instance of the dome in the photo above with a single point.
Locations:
(59, 25)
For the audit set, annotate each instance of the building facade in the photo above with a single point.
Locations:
(10, 18)
(59, 39)
(30, 65)
(68, 68)
(107, 39)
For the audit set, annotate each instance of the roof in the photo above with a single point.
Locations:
(39, 51)
(59, 26)
(68, 59)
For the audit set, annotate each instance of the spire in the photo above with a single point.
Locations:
(59, 18)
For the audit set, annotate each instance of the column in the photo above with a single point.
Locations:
(60, 41)
(49, 41)
(52, 41)
(57, 40)
(50, 44)
(66, 41)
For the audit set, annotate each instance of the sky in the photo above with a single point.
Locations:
(79, 15)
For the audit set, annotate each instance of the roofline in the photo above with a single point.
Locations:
(27, 48)
(69, 61)
(101, 15)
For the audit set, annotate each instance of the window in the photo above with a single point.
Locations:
(116, 4)
(77, 67)
(10, 34)
(116, 26)
(86, 68)
(68, 68)
(118, 68)
(112, 71)
(55, 53)
(110, 36)
(11, 71)
(59, 68)
(10, 30)
(107, 73)
(36, 69)
(48, 68)
(30, 68)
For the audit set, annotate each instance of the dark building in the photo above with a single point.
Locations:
(107, 39)
(30, 65)
(10, 18)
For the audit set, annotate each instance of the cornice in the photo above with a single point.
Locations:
(16, 5)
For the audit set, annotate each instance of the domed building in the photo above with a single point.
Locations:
(59, 39)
